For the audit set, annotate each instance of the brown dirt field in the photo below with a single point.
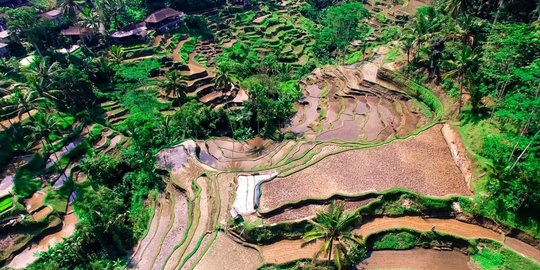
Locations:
(310, 210)
(417, 259)
(150, 251)
(205, 216)
(114, 141)
(103, 139)
(260, 19)
(41, 213)
(229, 44)
(35, 202)
(141, 246)
(6, 123)
(176, 52)
(225, 254)
(290, 250)
(179, 224)
(28, 255)
(413, 5)
(351, 104)
(458, 150)
(421, 163)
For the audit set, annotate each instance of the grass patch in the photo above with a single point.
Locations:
(6, 203)
(25, 180)
(495, 257)
(392, 55)
(187, 48)
(396, 241)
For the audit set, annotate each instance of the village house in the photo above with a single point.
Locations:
(164, 19)
(78, 33)
(130, 33)
(53, 15)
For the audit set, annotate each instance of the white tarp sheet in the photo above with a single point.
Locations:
(247, 193)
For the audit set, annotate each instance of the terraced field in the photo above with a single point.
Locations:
(357, 135)
(351, 104)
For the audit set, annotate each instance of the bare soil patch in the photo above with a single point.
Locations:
(310, 210)
(352, 104)
(225, 254)
(151, 250)
(41, 213)
(422, 163)
(177, 231)
(291, 250)
(29, 255)
(417, 259)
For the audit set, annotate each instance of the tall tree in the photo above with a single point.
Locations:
(333, 228)
(221, 79)
(458, 7)
(460, 68)
(70, 8)
(341, 26)
(175, 85)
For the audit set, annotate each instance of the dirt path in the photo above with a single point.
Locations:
(418, 259)
(7, 123)
(290, 250)
(176, 52)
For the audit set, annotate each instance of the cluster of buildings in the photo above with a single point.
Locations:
(160, 21)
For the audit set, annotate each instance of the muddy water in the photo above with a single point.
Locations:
(417, 259)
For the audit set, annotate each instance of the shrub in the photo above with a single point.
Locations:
(395, 240)
(136, 72)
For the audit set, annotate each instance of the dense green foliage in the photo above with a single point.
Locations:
(494, 257)
(399, 240)
(489, 52)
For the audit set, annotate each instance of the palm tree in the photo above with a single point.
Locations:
(457, 7)
(221, 80)
(89, 19)
(43, 127)
(407, 41)
(28, 100)
(70, 8)
(333, 228)
(116, 54)
(175, 85)
(39, 76)
(460, 69)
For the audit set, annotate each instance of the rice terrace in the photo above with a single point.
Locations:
(269, 134)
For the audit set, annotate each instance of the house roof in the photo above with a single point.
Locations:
(163, 14)
(74, 31)
(135, 31)
(4, 34)
(51, 14)
(3, 45)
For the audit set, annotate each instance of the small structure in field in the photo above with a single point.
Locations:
(130, 33)
(53, 15)
(164, 19)
(248, 193)
(78, 33)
